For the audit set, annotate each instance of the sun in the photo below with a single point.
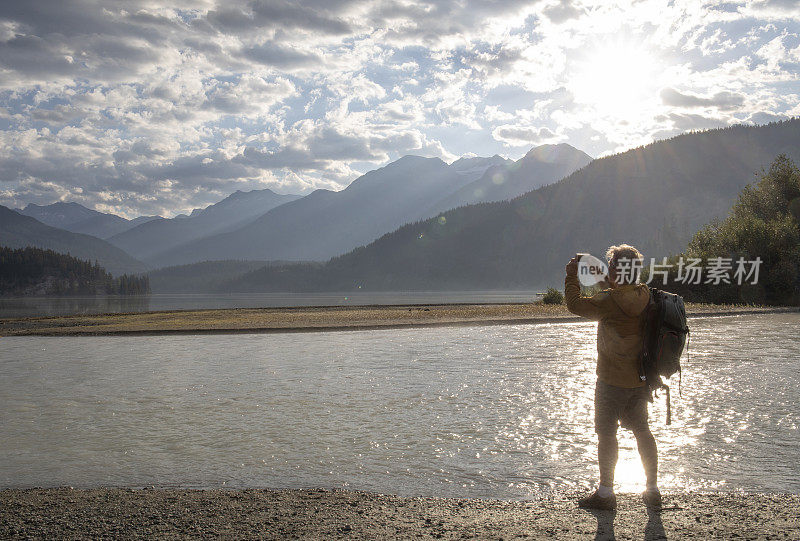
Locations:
(616, 78)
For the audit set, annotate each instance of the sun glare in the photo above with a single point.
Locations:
(616, 79)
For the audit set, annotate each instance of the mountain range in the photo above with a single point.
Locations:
(153, 241)
(325, 223)
(419, 223)
(654, 197)
(20, 231)
(542, 165)
(79, 219)
(262, 225)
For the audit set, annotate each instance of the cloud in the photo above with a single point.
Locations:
(561, 11)
(724, 101)
(272, 54)
(765, 117)
(690, 122)
(286, 15)
(443, 23)
(62, 40)
(519, 136)
(487, 61)
(154, 107)
(248, 95)
(771, 9)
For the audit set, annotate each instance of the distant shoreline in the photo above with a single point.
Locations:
(319, 318)
(64, 513)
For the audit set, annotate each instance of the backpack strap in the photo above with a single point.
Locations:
(647, 316)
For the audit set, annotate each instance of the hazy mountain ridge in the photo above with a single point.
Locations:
(20, 231)
(654, 196)
(325, 224)
(239, 208)
(75, 217)
(542, 165)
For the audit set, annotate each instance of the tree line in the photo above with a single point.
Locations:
(33, 271)
(763, 225)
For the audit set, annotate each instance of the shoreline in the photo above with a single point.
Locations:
(319, 318)
(66, 513)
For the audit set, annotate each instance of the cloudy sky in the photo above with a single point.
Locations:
(148, 107)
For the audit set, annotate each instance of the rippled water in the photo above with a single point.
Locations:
(493, 412)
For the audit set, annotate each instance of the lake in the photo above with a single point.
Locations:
(488, 412)
(64, 306)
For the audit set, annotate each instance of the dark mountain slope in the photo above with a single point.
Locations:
(199, 277)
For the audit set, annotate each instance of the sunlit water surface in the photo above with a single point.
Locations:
(493, 412)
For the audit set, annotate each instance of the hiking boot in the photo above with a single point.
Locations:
(652, 499)
(596, 501)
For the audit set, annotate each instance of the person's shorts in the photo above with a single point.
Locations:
(619, 405)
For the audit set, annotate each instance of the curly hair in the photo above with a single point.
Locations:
(627, 253)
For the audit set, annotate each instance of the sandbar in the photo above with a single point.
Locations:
(317, 318)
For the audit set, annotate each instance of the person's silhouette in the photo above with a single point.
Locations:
(655, 528)
(605, 523)
(621, 395)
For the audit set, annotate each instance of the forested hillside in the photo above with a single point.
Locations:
(199, 277)
(756, 247)
(32, 271)
(18, 231)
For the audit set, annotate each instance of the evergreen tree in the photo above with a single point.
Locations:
(33, 271)
(764, 223)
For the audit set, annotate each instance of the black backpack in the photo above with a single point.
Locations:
(664, 336)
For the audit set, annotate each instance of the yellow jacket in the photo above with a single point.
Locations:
(619, 312)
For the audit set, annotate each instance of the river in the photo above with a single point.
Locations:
(484, 411)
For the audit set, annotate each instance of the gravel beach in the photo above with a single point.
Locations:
(64, 513)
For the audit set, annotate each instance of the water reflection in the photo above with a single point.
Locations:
(59, 306)
(495, 412)
(77, 305)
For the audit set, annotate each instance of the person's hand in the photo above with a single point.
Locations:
(572, 267)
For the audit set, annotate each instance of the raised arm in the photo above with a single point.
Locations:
(588, 307)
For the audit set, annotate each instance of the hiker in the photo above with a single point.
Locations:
(620, 394)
